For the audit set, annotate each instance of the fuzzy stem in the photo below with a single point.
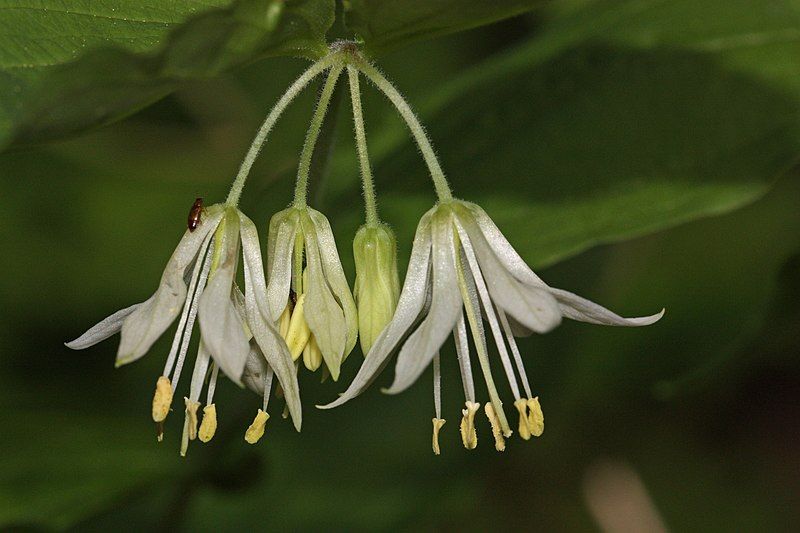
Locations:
(437, 175)
(370, 204)
(261, 137)
(301, 186)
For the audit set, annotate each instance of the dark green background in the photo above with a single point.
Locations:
(572, 130)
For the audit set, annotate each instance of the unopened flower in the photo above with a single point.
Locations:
(308, 294)
(377, 285)
(208, 256)
(463, 272)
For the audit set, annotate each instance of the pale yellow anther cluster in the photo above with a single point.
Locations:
(256, 429)
(468, 434)
(209, 424)
(189, 424)
(162, 399)
(497, 431)
(437, 425)
(295, 331)
(535, 417)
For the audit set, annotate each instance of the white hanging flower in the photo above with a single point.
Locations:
(462, 265)
(308, 293)
(208, 256)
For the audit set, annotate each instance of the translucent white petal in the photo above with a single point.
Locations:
(505, 253)
(103, 329)
(409, 307)
(280, 281)
(142, 327)
(532, 305)
(334, 273)
(271, 344)
(418, 350)
(577, 308)
(275, 224)
(221, 327)
(255, 369)
(323, 314)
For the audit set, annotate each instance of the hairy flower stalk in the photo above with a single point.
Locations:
(464, 274)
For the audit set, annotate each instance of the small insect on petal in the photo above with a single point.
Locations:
(194, 214)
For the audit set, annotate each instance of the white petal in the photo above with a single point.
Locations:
(143, 327)
(409, 307)
(254, 370)
(334, 273)
(221, 328)
(102, 330)
(577, 308)
(533, 306)
(419, 349)
(275, 224)
(323, 314)
(282, 248)
(272, 346)
(502, 249)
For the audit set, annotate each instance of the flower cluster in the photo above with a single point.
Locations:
(463, 275)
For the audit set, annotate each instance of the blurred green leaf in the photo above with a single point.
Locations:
(384, 25)
(65, 67)
(625, 121)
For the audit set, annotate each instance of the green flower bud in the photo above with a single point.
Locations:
(377, 286)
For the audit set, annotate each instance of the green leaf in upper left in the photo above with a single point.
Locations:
(70, 65)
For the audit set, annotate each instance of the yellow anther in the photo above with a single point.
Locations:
(189, 424)
(312, 357)
(468, 434)
(284, 320)
(162, 399)
(191, 415)
(298, 334)
(256, 429)
(497, 431)
(209, 424)
(437, 425)
(522, 407)
(535, 417)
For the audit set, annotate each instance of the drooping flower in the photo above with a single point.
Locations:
(308, 294)
(463, 272)
(208, 256)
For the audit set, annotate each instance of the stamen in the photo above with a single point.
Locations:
(312, 356)
(468, 434)
(189, 425)
(267, 386)
(522, 407)
(212, 383)
(256, 429)
(437, 385)
(162, 399)
(535, 417)
(187, 334)
(499, 442)
(515, 350)
(473, 309)
(437, 425)
(299, 333)
(187, 304)
(200, 371)
(462, 350)
(283, 321)
(488, 308)
(209, 424)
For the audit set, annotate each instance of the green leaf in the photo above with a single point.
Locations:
(624, 121)
(384, 25)
(68, 66)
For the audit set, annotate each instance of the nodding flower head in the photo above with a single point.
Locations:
(308, 293)
(230, 321)
(462, 273)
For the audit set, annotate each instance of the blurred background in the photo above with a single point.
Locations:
(639, 168)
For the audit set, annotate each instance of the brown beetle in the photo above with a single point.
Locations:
(194, 214)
